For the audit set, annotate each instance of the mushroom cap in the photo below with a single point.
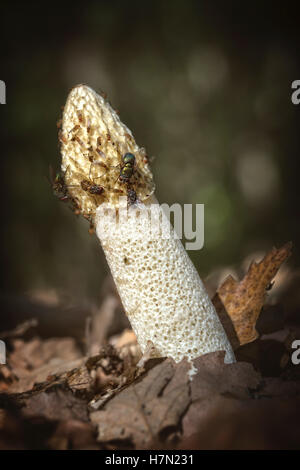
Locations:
(93, 143)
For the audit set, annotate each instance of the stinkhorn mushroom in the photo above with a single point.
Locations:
(161, 291)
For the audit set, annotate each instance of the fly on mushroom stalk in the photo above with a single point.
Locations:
(127, 170)
(57, 182)
(131, 196)
(88, 185)
(91, 187)
(127, 167)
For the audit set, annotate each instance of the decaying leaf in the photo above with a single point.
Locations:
(56, 402)
(33, 361)
(145, 409)
(243, 300)
(168, 397)
(214, 377)
(80, 380)
(215, 383)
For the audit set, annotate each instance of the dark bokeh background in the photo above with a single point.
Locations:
(204, 86)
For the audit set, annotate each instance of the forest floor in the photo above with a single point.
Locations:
(62, 393)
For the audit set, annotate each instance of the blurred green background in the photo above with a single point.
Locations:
(204, 86)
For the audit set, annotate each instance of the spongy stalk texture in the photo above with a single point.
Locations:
(161, 291)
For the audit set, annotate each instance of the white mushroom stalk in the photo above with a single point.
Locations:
(161, 291)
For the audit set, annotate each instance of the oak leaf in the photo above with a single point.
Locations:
(141, 412)
(243, 300)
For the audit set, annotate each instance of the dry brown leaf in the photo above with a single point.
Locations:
(215, 383)
(80, 380)
(111, 370)
(214, 377)
(243, 300)
(151, 410)
(33, 361)
(35, 353)
(56, 402)
(142, 411)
